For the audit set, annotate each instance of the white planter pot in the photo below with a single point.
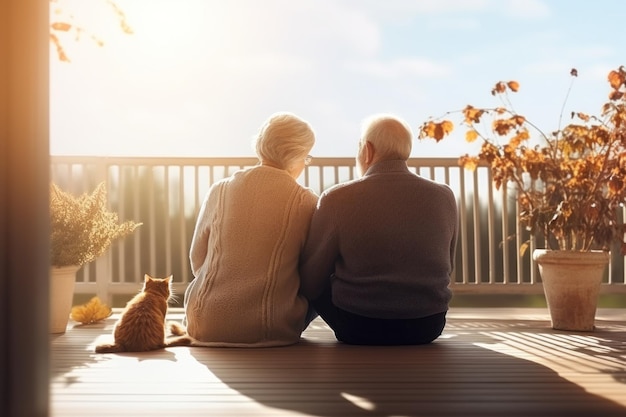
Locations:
(62, 280)
(571, 283)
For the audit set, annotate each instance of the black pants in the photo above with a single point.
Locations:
(354, 329)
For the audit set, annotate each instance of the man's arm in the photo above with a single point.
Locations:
(317, 261)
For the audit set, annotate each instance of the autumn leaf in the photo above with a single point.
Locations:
(91, 312)
(616, 79)
(616, 95)
(582, 116)
(471, 135)
(427, 130)
(519, 138)
(523, 248)
(444, 128)
(499, 88)
(502, 126)
(435, 130)
(513, 86)
(472, 114)
(62, 26)
(469, 162)
(616, 184)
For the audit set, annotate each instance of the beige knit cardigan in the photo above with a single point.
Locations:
(244, 255)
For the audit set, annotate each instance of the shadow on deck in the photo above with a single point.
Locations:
(488, 362)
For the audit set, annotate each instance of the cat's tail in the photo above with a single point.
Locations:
(179, 337)
(179, 341)
(176, 328)
(109, 348)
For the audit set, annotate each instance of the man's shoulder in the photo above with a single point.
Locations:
(436, 185)
(340, 189)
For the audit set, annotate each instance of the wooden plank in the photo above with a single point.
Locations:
(488, 362)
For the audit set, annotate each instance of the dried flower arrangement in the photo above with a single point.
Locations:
(569, 184)
(81, 228)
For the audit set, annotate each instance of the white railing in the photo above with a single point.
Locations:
(165, 195)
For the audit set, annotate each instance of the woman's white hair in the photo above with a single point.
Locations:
(391, 136)
(283, 140)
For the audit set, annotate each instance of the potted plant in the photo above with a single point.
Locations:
(569, 184)
(81, 229)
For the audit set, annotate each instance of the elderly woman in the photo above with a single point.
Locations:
(246, 244)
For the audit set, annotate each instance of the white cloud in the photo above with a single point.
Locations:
(600, 71)
(401, 9)
(401, 67)
(344, 25)
(534, 9)
(264, 62)
(301, 27)
(551, 67)
(592, 51)
(455, 23)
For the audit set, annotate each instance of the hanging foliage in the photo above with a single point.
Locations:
(62, 21)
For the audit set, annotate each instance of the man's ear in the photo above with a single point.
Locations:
(369, 152)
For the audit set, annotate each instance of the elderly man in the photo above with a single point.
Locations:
(377, 261)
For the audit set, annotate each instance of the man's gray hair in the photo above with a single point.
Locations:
(391, 136)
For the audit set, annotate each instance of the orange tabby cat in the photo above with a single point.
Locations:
(142, 325)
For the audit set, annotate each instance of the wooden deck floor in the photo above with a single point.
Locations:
(488, 362)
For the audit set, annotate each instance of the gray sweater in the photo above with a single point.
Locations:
(385, 242)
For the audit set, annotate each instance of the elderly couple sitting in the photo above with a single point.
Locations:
(371, 256)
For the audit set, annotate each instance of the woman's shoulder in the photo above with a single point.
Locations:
(308, 195)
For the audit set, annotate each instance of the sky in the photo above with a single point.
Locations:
(199, 77)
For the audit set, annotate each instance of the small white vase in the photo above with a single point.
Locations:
(62, 280)
(571, 283)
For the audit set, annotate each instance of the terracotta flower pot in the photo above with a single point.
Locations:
(571, 283)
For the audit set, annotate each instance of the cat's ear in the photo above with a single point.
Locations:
(169, 279)
(147, 278)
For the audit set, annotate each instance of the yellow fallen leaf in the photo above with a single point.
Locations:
(91, 312)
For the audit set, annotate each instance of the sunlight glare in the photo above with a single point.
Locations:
(360, 402)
